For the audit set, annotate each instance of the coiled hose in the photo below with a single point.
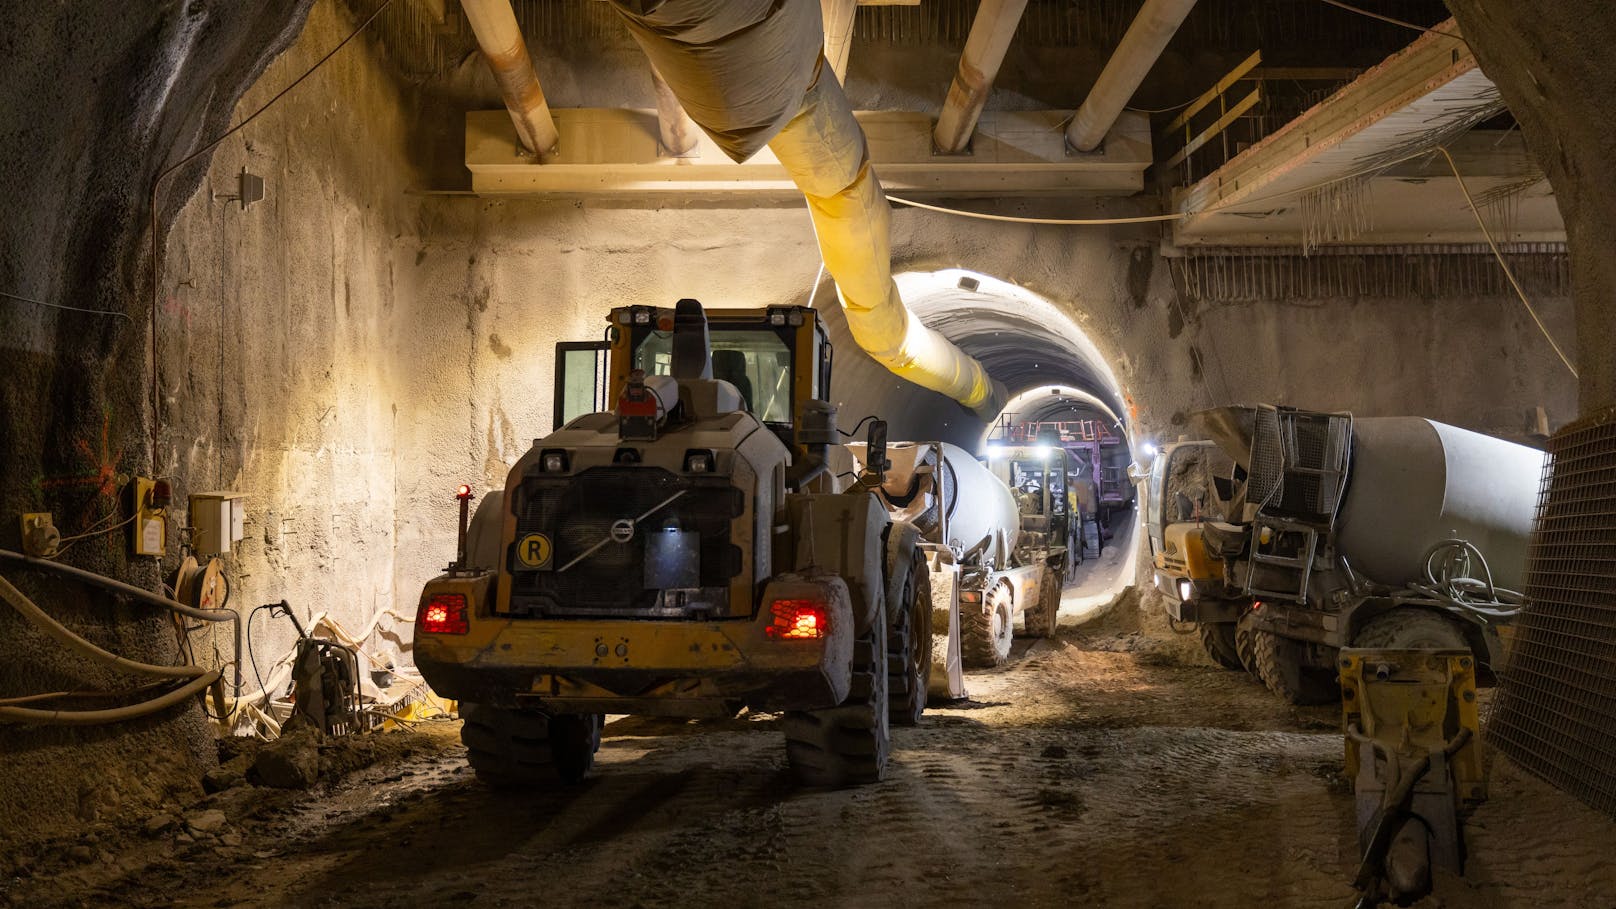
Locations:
(1448, 568)
(197, 678)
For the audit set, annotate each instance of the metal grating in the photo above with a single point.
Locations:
(1267, 474)
(1555, 713)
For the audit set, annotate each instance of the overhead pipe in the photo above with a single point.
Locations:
(499, 38)
(991, 31)
(1141, 47)
(837, 16)
(752, 73)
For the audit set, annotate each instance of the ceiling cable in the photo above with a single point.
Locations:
(1508, 273)
(1398, 22)
(1016, 219)
(97, 312)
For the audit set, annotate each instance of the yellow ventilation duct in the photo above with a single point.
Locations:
(749, 73)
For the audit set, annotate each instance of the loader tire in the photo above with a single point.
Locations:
(1043, 620)
(512, 749)
(1245, 646)
(846, 745)
(1279, 665)
(1403, 629)
(1218, 639)
(909, 645)
(986, 628)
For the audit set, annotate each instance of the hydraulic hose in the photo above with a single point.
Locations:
(197, 678)
(145, 596)
(112, 714)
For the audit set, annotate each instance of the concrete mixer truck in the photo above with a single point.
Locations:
(1289, 534)
(1002, 548)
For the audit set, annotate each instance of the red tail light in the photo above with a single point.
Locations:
(445, 613)
(799, 619)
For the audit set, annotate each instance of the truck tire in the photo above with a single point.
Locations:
(1245, 646)
(527, 749)
(1407, 628)
(909, 645)
(1279, 665)
(846, 745)
(1043, 620)
(1218, 639)
(986, 628)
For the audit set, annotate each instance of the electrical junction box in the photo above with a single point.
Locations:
(218, 519)
(148, 532)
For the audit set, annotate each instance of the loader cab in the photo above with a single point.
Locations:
(778, 358)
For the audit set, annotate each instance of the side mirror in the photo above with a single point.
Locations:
(875, 451)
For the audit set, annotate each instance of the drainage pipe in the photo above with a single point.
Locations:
(500, 40)
(1147, 37)
(991, 31)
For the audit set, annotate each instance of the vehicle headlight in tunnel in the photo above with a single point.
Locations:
(1186, 589)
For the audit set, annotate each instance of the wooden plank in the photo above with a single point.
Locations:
(615, 152)
(1206, 135)
(1224, 84)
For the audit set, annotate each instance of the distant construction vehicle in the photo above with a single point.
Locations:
(1291, 534)
(679, 546)
(1006, 548)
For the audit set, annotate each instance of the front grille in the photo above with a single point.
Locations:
(578, 512)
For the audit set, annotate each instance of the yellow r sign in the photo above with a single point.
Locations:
(533, 550)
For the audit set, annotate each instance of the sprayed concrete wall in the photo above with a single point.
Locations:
(286, 343)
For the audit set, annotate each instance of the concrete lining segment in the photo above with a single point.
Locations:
(614, 152)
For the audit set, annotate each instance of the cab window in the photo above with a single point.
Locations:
(756, 361)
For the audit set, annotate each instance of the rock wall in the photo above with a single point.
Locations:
(96, 103)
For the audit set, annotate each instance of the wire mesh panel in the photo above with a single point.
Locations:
(1267, 474)
(1556, 708)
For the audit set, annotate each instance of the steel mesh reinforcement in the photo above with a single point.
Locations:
(1555, 712)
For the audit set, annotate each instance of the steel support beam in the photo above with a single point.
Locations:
(500, 40)
(1141, 47)
(991, 31)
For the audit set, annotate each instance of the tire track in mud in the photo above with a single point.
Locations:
(1077, 775)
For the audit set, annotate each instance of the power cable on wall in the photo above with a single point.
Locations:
(156, 251)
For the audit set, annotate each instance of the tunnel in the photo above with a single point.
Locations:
(438, 453)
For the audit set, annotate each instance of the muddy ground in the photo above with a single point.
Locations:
(1103, 768)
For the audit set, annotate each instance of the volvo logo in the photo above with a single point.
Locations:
(623, 530)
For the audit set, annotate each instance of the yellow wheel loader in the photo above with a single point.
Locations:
(685, 545)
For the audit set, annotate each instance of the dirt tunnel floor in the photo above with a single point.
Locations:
(1096, 769)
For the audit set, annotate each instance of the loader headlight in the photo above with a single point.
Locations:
(1186, 589)
(553, 462)
(642, 317)
(698, 461)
